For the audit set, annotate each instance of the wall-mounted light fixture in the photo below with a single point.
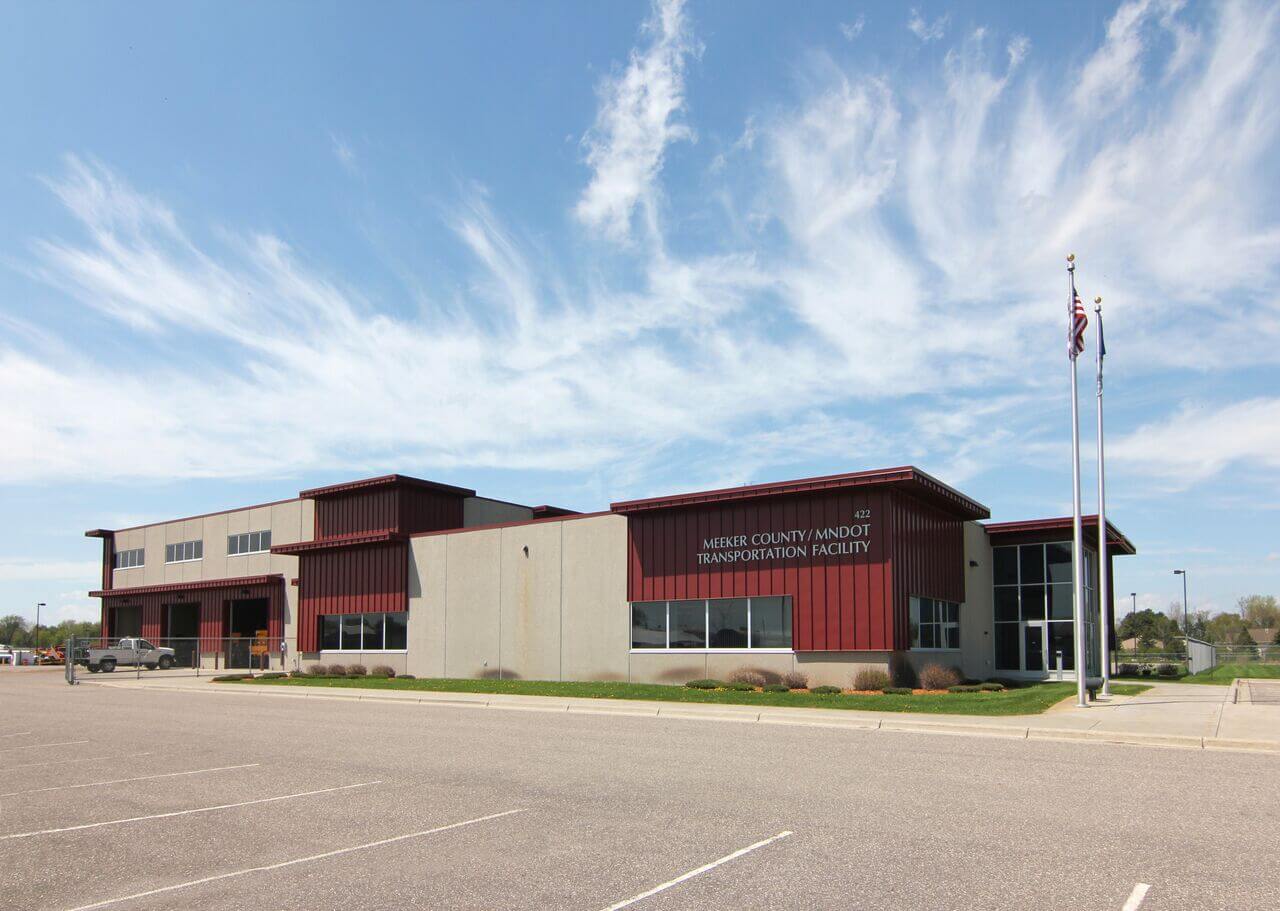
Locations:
(973, 564)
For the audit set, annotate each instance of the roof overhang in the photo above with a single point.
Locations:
(907, 478)
(99, 533)
(1032, 531)
(386, 480)
(338, 543)
(204, 585)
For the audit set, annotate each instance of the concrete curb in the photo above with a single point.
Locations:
(746, 715)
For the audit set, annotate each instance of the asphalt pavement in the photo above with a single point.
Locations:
(138, 798)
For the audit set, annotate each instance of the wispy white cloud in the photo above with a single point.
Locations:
(345, 154)
(15, 569)
(638, 119)
(852, 30)
(911, 229)
(924, 30)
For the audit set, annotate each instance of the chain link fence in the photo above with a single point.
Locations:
(174, 657)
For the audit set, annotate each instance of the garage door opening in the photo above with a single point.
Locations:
(245, 619)
(124, 621)
(182, 629)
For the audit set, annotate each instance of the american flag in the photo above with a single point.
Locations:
(1079, 322)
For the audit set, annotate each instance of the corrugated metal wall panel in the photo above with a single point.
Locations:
(839, 602)
(355, 580)
(212, 605)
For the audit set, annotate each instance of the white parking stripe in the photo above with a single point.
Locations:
(94, 784)
(290, 863)
(32, 746)
(703, 869)
(225, 806)
(16, 734)
(1135, 897)
(32, 765)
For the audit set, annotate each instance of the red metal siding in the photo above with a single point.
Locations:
(928, 558)
(350, 581)
(423, 509)
(364, 511)
(839, 602)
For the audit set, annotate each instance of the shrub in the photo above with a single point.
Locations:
(704, 684)
(356, 670)
(938, 677)
(870, 678)
(897, 691)
(825, 690)
(337, 670)
(903, 673)
(1127, 670)
(748, 676)
(964, 688)
(991, 686)
(740, 687)
(318, 670)
(383, 670)
(408, 677)
(1167, 670)
(795, 680)
(776, 688)
(272, 675)
(233, 677)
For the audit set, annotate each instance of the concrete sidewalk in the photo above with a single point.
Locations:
(1169, 715)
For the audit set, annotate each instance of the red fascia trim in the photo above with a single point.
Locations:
(1060, 523)
(337, 543)
(516, 524)
(239, 582)
(386, 480)
(203, 515)
(907, 475)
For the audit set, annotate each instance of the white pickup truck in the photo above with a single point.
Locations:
(129, 652)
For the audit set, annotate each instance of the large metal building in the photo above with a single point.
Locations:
(821, 575)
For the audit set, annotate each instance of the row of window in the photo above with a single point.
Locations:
(364, 632)
(736, 623)
(183, 551)
(253, 542)
(127, 559)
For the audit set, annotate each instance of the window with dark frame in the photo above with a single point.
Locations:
(739, 624)
(371, 632)
(184, 552)
(252, 542)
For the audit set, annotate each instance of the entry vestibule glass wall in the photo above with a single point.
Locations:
(717, 623)
(1034, 608)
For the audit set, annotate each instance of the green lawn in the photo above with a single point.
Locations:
(1026, 700)
(1222, 675)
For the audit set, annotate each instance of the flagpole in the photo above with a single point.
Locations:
(1104, 569)
(1077, 545)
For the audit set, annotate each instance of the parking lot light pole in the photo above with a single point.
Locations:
(39, 604)
(1186, 622)
(1133, 609)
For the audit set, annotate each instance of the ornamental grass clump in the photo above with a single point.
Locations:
(795, 680)
(825, 690)
(382, 670)
(749, 676)
(318, 670)
(939, 677)
(337, 670)
(356, 670)
(739, 686)
(870, 678)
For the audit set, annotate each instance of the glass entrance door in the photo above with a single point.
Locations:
(1033, 646)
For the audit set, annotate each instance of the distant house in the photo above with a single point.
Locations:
(1263, 635)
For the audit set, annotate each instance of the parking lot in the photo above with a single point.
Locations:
(118, 797)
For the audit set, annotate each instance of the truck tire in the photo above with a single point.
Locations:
(166, 662)
(93, 668)
(151, 666)
(108, 665)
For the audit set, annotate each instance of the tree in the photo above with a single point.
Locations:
(1148, 627)
(1276, 640)
(1260, 611)
(13, 630)
(1228, 629)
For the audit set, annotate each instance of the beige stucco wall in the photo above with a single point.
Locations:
(537, 601)
(289, 521)
(483, 511)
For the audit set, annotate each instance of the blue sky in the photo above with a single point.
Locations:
(575, 253)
